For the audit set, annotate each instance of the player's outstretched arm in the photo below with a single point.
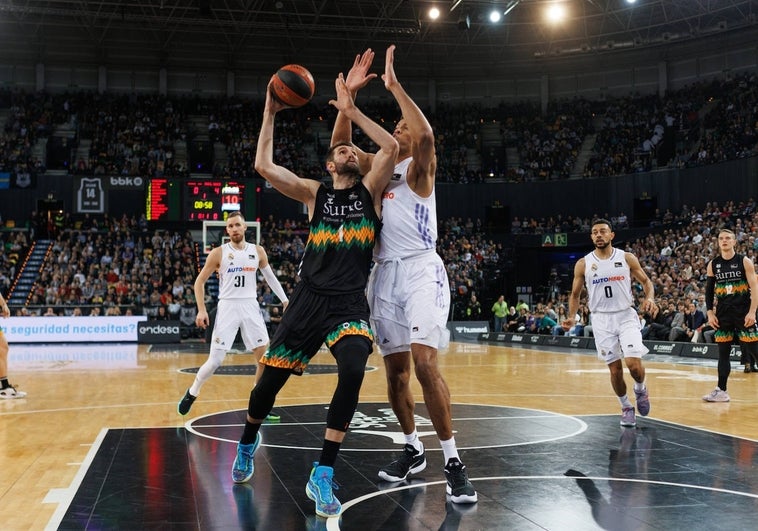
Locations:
(288, 183)
(379, 175)
(422, 150)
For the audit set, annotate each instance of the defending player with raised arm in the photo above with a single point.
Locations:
(329, 303)
(237, 263)
(408, 288)
(607, 275)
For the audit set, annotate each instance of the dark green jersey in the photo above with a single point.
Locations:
(339, 250)
(731, 289)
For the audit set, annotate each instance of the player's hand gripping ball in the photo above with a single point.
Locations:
(293, 85)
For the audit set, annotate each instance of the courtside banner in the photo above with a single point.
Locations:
(660, 347)
(159, 332)
(71, 329)
(566, 341)
(700, 350)
(467, 329)
(494, 337)
(525, 339)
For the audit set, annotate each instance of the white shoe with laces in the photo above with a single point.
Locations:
(11, 392)
(717, 395)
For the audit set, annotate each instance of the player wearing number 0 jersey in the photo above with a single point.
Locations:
(237, 263)
(609, 283)
(607, 274)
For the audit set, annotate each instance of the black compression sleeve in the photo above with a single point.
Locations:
(710, 284)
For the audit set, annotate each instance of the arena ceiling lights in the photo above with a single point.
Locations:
(253, 35)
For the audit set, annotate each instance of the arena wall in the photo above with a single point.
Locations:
(667, 188)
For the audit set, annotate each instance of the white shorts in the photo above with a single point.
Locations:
(618, 335)
(243, 315)
(410, 303)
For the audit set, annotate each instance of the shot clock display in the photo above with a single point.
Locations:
(211, 199)
(230, 198)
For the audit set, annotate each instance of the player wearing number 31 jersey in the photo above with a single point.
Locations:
(237, 263)
(607, 274)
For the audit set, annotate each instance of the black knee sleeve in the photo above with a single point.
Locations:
(264, 393)
(724, 364)
(351, 354)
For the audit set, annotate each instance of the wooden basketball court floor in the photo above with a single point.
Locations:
(98, 445)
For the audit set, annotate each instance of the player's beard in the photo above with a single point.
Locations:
(348, 169)
(601, 244)
(237, 238)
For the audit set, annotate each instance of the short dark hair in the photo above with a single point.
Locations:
(330, 153)
(602, 221)
(235, 213)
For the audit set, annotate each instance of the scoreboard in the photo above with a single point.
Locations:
(199, 199)
(211, 199)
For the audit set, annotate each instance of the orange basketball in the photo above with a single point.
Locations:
(293, 85)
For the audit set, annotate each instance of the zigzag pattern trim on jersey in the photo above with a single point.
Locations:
(735, 288)
(727, 336)
(351, 328)
(284, 358)
(348, 235)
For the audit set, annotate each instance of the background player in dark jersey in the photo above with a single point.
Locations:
(329, 304)
(732, 280)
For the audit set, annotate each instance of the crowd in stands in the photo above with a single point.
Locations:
(100, 265)
(704, 123)
(130, 134)
(13, 247)
(549, 146)
(108, 266)
(473, 262)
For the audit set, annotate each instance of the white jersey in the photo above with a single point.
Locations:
(609, 282)
(409, 222)
(236, 275)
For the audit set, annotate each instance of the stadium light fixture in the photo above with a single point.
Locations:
(555, 13)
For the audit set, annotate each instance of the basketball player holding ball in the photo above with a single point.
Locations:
(329, 303)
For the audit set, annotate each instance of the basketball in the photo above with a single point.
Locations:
(293, 85)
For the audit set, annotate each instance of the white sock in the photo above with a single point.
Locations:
(195, 388)
(449, 449)
(413, 440)
(639, 386)
(625, 402)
